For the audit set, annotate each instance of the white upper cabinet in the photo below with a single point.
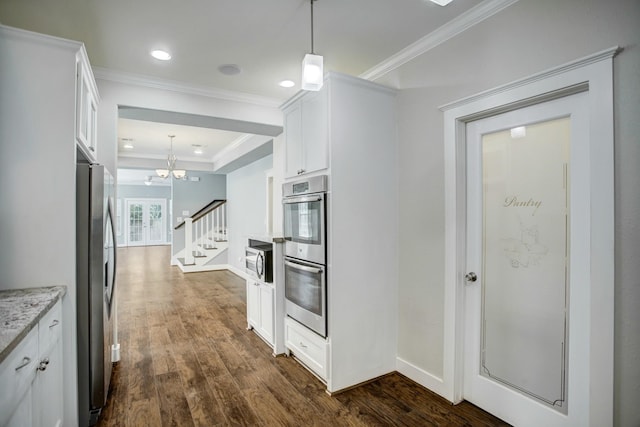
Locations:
(86, 107)
(306, 134)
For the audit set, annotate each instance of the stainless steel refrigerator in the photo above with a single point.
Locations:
(95, 281)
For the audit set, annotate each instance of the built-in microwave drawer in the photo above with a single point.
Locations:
(307, 346)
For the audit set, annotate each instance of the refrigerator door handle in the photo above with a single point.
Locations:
(115, 261)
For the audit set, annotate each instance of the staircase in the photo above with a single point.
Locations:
(205, 236)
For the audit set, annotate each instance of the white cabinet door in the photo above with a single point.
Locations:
(260, 309)
(266, 312)
(48, 402)
(23, 415)
(253, 303)
(306, 130)
(293, 140)
(86, 108)
(314, 132)
(47, 392)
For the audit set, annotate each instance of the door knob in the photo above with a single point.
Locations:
(471, 277)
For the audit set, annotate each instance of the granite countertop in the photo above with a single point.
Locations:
(20, 311)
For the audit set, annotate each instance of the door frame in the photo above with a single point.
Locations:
(593, 75)
(144, 200)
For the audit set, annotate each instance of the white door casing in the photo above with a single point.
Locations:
(591, 76)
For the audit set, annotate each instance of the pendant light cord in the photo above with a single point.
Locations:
(312, 27)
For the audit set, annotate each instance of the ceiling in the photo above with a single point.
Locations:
(266, 39)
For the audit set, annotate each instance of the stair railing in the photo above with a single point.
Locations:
(203, 229)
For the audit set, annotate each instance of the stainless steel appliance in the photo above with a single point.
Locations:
(305, 271)
(304, 219)
(259, 261)
(306, 294)
(95, 285)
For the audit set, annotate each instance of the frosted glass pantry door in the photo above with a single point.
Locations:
(519, 244)
(525, 270)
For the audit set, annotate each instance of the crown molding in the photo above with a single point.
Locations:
(449, 30)
(176, 86)
(230, 147)
(20, 33)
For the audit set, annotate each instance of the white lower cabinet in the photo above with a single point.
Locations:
(48, 404)
(260, 313)
(23, 414)
(17, 374)
(31, 377)
(266, 312)
(308, 347)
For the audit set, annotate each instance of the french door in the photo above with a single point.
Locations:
(146, 222)
(526, 322)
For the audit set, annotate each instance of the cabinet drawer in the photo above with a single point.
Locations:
(17, 372)
(308, 347)
(50, 329)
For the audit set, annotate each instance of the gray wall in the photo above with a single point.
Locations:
(247, 206)
(192, 196)
(143, 192)
(527, 37)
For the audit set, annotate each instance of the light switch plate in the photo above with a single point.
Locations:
(185, 213)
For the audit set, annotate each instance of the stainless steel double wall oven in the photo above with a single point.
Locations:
(305, 211)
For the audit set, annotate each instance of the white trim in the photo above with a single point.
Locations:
(176, 86)
(421, 376)
(41, 38)
(597, 71)
(566, 67)
(230, 147)
(449, 30)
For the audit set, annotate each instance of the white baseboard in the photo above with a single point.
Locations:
(115, 352)
(201, 268)
(421, 376)
(238, 272)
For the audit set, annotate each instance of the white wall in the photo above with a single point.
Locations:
(246, 206)
(527, 37)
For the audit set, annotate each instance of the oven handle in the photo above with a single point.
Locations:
(314, 270)
(302, 199)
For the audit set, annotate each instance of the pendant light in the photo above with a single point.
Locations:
(171, 164)
(312, 66)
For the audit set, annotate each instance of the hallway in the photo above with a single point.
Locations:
(188, 360)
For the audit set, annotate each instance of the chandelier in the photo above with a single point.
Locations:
(171, 165)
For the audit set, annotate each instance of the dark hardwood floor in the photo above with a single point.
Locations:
(188, 360)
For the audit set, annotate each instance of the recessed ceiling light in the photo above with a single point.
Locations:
(287, 83)
(197, 151)
(128, 146)
(441, 2)
(161, 55)
(229, 69)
